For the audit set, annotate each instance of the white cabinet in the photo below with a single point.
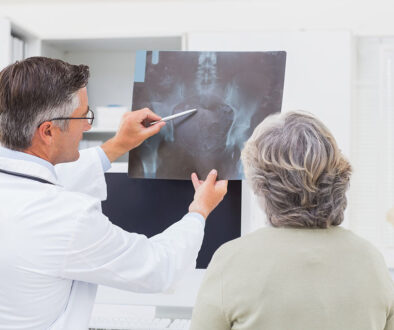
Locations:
(28, 45)
(5, 42)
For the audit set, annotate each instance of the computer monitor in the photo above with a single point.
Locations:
(138, 196)
(149, 206)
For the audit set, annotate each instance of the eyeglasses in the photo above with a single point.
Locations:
(89, 117)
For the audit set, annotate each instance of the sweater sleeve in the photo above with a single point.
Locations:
(390, 316)
(390, 321)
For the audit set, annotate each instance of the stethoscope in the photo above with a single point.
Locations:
(25, 176)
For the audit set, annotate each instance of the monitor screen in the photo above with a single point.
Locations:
(149, 206)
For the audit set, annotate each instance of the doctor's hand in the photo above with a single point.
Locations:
(132, 132)
(208, 193)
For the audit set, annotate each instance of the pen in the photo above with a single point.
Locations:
(174, 116)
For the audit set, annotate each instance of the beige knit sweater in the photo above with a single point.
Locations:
(296, 279)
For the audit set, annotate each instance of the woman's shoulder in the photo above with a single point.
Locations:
(358, 244)
(246, 241)
(269, 238)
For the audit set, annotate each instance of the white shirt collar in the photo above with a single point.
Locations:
(13, 154)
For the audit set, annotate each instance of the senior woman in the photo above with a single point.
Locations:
(304, 272)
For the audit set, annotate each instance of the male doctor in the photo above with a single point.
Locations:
(55, 243)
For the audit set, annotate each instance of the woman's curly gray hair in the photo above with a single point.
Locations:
(293, 162)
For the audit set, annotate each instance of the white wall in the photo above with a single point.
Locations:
(86, 19)
(5, 43)
(111, 76)
(111, 73)
(373, 135)
(111, 63)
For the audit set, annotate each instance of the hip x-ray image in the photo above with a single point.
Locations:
(232, 92)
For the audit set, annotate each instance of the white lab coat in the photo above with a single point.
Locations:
(56, 246)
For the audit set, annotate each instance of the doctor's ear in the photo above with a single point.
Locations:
(45, 132)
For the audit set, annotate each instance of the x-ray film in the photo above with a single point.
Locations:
(232, 92)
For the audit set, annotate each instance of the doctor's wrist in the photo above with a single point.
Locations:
(113, 150)
(194, 207)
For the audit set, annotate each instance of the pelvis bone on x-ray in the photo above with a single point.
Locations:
(232, 92)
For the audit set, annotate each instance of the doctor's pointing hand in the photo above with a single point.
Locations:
(132, 132)
(56, 245)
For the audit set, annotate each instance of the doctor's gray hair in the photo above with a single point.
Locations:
(293, 163)
(33, 91)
